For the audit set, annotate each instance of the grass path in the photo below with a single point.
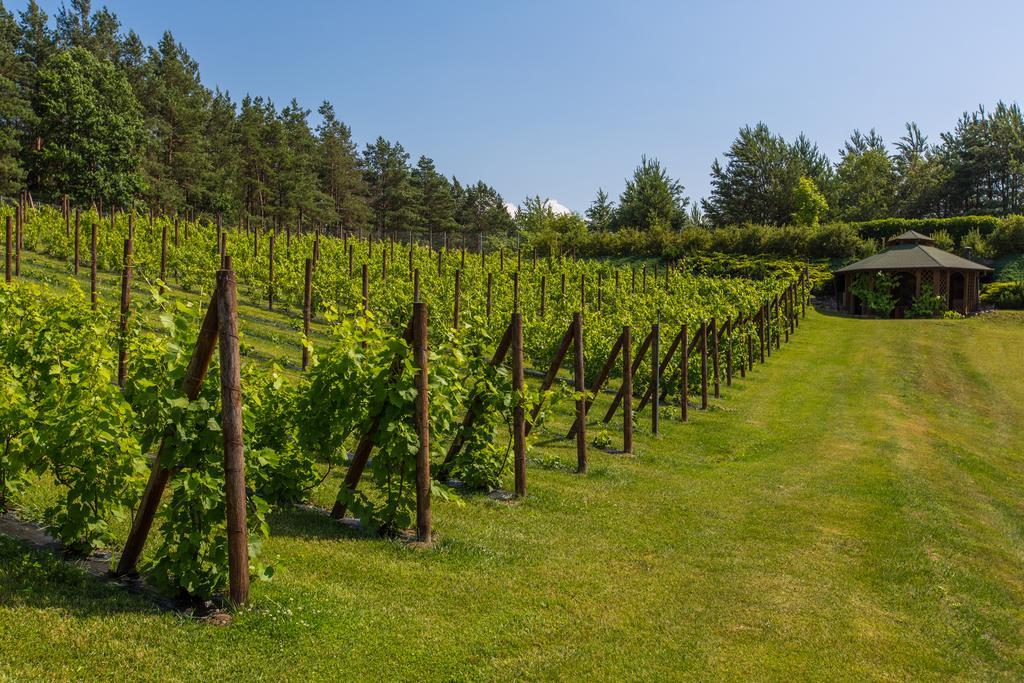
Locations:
(852, 510)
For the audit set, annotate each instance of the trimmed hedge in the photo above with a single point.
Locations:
(956, 227)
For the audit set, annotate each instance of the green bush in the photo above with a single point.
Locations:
(975, 241)
(943, 240)
(1008, 238)
(1003, 294)
(928, 305)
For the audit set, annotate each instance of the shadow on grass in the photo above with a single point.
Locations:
(307, 521)
(35, 579)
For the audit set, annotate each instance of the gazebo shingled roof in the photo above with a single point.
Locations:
(910, 256)
(911, 237)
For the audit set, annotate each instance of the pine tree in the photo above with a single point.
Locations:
(340, 176)
(435, 203)
(865, 178)
(15, 108)
(221, 188)
(652, 198)
(177, 108)
(391, 198)
(36, 45)
(480, 209)
(759, 180)
(601, 213)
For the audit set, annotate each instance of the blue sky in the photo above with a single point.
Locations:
(559, 98)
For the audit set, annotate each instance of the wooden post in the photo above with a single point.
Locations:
(416, 285)
(543, 294)
(366, 287)
(684, 373)
(270, 269)
(728, 352)
(78, 236)
(92, 270)
(563, 285)
(163, 252)
(384, 265)
(440, 255)
(307, 305)
(643, 288)
(231, 428)
(761, 331)
(501, 259)
(655, 374)
(519, 410)
(458, 298)
(627, 389)
(704, 366)
(223, 248)
(126, 296)
(420, 356)
(351, 256)
(19, 236)
(581, 408)
(714, 357)
(748, 364)
(490, 279)
(7, 251)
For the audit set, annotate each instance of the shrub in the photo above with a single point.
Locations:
(1003, 294)
(836, 240)
(1008, 238)
(877, 294)
(943, 240)
(975, 241)
(928, 305)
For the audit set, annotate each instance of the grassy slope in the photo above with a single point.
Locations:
(852, 509)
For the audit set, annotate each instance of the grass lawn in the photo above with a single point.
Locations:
(851, 510)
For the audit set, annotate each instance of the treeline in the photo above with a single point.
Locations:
(89, 110)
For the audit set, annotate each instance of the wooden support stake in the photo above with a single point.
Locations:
(307, 306)
(627, 389)
(490, 282)
(602, 377)
(366, 442)
(420, 360)
(549, 378)
(704, 366)
(270, 269)
(458, 299)
(728, 352)
(580, 386)
(163, 252)
(655, 375)
(94, 295)
(714, 357)
(231, 429)
(78, 236)
(518, 410)
(160, 473)
(7, 251)
(684, 374)
(641, 352)
(543, 294)
(126, 297)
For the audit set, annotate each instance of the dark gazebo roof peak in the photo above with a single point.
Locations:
(912, 237)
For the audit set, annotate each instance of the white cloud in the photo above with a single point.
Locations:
(556, 207)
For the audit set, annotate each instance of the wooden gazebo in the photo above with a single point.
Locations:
(914, 260)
